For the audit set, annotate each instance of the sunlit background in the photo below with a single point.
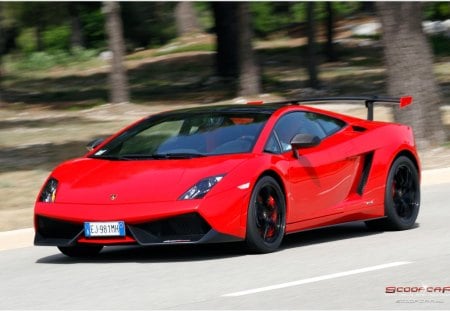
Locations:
(75, 71)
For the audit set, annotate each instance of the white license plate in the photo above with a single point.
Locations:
(111, 228)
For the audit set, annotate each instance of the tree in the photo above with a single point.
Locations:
(249, 78)
(186, 19)
(311, 59)
(2, 44)
(227, 34)
(147, 24)
(76, 36)
(409, 65)
(118, 83)
(329, 47)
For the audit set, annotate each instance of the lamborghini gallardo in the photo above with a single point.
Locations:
(254, 172)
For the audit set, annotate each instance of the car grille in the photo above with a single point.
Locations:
(183, 228)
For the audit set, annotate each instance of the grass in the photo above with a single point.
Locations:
(42, 61)
(197, 47)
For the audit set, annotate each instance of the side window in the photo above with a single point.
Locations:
(295, 123)
(328, 124)
(273, 144)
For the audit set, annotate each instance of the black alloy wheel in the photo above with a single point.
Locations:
(266, 219)
(402, 197)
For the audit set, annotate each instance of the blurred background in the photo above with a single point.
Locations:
(71, 72)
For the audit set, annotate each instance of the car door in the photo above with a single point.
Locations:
(320, 177)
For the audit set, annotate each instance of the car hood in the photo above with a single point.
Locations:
(99, 181)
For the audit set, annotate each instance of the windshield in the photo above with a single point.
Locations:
(187, 135)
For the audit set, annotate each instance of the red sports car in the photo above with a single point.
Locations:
(252, 172)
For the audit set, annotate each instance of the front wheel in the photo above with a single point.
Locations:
(402, 197)
(81, 251)
(266, 219)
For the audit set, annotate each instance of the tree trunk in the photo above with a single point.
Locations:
(76, 36)
(329, 48)
(2, 49)
(39, 26)
(249, 78)
(409, 65)
(118, 83)
(311, 59)
(186, 19)
(227, 58)
(39, 38)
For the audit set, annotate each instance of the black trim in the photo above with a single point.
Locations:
(368, 158)
(180, 229)
(212, 236)
(51, 231)
(368, 100)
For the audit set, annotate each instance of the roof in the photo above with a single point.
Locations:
(266, 109)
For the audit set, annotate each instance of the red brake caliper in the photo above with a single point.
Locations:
(271, 203)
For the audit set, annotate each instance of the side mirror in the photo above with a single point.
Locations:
(304, 141)
(93, 144)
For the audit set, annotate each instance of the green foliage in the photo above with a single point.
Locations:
(298, 11)
(93, 27)
(57, 38)
(148, 24)
(345, 8)
(26, 40)
(440, 45)
(437, 10)
(172, 49)
(205, 15)
(36, 61)
(268, 17)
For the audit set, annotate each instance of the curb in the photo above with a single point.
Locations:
(16, 239)
(435, 176)
(24, 237)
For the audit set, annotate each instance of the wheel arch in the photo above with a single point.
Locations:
(277, 178)
(410, 155)
(282, 185)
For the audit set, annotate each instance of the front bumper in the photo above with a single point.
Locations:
(181, 222)
(183, 229)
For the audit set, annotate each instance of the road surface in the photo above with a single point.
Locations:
(344, 267)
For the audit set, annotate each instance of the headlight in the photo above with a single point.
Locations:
(48, 194)
(200, 189)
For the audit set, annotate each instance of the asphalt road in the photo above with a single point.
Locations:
(344, 267)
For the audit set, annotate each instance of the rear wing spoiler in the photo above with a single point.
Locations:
(368, 100)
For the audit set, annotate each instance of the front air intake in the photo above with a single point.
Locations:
(184, 228)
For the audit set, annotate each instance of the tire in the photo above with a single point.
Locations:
(81, 251)
(266, 217)
(402, 197)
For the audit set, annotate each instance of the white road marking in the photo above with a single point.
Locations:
(317, 279)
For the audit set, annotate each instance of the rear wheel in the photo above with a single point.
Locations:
(266, 219)
(81, 251)
(402, 197)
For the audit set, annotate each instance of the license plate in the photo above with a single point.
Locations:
(111, 228)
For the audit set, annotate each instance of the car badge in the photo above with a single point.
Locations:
(113, 197)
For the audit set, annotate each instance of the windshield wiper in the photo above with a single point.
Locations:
(109, 157)
(128, 157)
(125, 157)
(177, 155)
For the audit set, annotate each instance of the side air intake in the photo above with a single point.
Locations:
(365, 172)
